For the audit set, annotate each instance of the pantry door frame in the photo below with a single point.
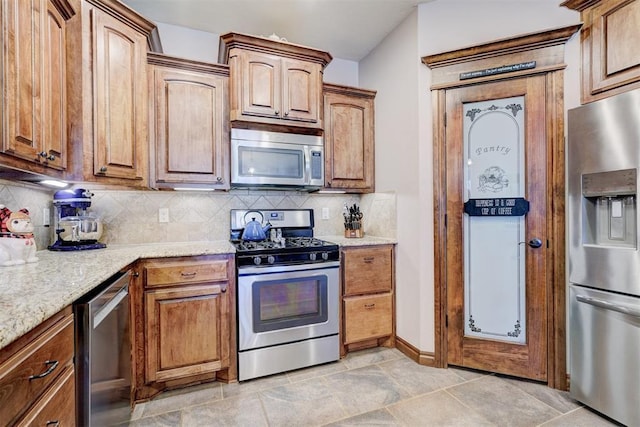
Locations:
(527, 55)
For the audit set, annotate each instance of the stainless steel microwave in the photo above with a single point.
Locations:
(262, 159)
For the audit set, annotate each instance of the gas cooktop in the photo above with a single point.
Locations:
(289, 239)
(294, 250)
(286, 243)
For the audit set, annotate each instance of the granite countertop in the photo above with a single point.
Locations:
(31, 293)
(359, 241)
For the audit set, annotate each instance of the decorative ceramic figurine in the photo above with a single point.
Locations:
(17, 245)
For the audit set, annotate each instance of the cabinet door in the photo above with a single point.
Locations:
(301, 86)
(261, 89)
(611, 48)
(367, 270)
(34, 82)
(368, 317)
(57, 407)
(187, 331)
(54, 90)
(120, 98)
(349, 143)
(190, 130)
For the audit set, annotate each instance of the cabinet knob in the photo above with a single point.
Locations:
(51, 157)
(218, 178)
(277, 112)
(103, 169)
(286, 114)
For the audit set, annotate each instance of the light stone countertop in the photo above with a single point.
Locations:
(359, 241)
(31, 293)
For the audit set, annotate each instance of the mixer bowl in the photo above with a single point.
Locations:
(80, 228)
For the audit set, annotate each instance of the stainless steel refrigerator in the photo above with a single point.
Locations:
(604, 258)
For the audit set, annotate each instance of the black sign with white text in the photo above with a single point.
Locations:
(508, 206)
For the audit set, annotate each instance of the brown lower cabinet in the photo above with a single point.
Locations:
(184, 322)
(37, 380)
(368, 274)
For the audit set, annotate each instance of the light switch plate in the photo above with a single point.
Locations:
(325, 213)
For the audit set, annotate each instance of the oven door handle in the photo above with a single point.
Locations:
(620, 308)
(251, 270)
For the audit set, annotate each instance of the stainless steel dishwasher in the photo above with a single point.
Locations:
(103, 353)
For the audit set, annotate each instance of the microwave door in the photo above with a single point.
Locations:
(268, 164)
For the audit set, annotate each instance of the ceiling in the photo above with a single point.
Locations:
(348, 29)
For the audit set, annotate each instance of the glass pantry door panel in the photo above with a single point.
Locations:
(494, 258)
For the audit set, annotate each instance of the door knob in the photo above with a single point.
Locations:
(533, 243)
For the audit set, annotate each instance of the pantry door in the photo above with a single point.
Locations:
(496, 243)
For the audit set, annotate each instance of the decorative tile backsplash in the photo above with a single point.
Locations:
(35, 198)
(131, 216)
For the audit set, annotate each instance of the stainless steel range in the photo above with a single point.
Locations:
(288, 293)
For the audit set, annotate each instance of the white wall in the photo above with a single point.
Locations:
(393, 69)
(404, 141)
(203, 46)
(188, 43)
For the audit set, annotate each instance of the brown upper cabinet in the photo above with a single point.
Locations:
(108, 92)
(273, 82)
(349, 138)
(610, 42)
(34, 134)
(189, 123)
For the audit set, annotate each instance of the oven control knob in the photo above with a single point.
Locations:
(325, 255)
(271, 259)
(312, 256)
(257, 260)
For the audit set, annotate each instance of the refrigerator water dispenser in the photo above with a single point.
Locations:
(609, 208)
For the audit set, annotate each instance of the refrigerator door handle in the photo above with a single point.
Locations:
(624, 309)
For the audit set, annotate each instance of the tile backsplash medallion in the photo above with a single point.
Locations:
(131, 216)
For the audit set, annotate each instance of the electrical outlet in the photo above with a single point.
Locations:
(325, 213)
(46, 217)
(163, 215)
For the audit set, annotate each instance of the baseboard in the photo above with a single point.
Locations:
(425, 358)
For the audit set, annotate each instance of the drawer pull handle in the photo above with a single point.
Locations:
(223, 288)
(55, 423)
(53, 364)
(369, 260)
(193, 274)
(368, 306)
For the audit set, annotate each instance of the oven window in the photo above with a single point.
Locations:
(287, 303)
(270, 162)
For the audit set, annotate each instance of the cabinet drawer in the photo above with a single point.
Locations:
(368, 317)
(168, 273)
(43, 359)
(57, 405)
(368, 270)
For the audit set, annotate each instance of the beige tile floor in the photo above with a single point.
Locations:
(378, 387)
